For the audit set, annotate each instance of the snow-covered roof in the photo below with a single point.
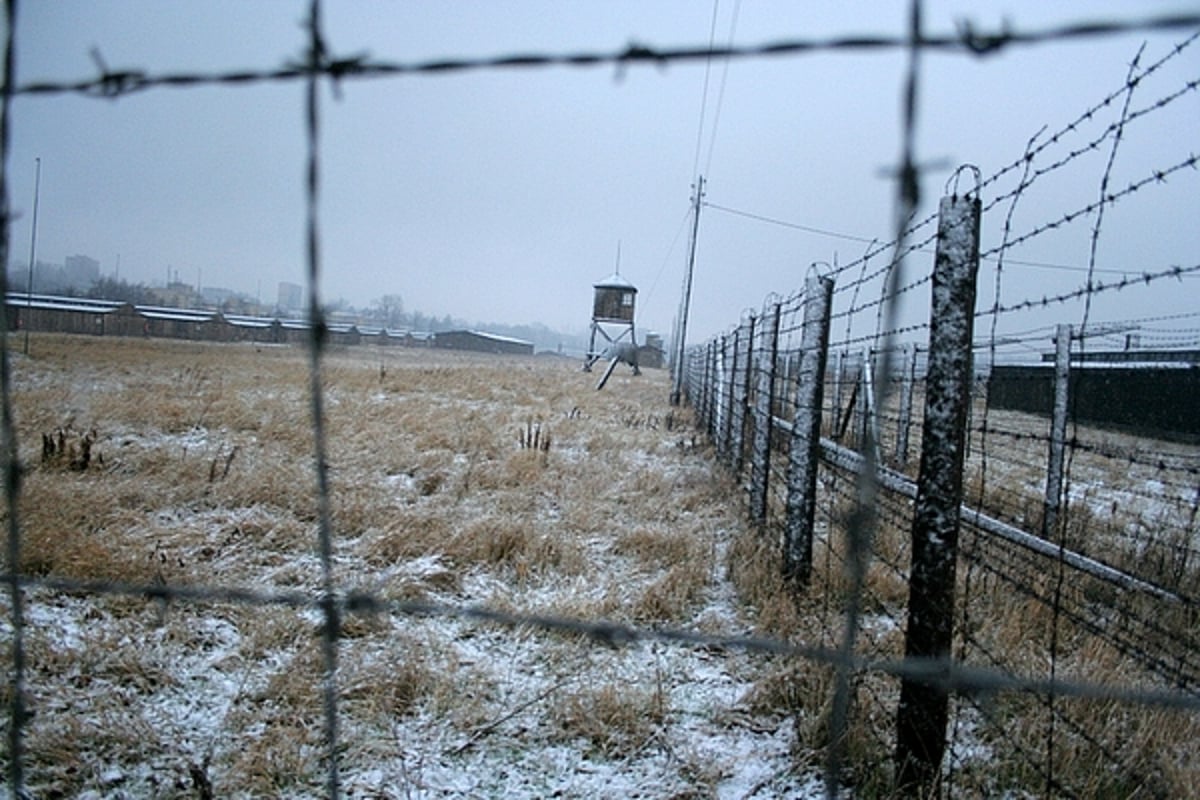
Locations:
(245, 321)
(615, 281)
(494, 337)
(175, 314)
(59, 303)
(62, 305)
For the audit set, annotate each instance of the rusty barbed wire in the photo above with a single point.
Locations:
(1157, 176)
(968, 39)
(1032, 153)
(956, 677)
(1095, 288)
(335, 606)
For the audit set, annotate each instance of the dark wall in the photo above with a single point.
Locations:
(1153, 401)
(467, 340)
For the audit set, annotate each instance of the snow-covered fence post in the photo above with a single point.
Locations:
(704, 404)
(904, 418)
(718, 395)
(805, 449)
(720, 423)
(839, 373)
(709, 385)
(924, 702)
(1058, 432)
(733, 351)
(869, 432)
(745, 360)
(764, 409)
(707, 393)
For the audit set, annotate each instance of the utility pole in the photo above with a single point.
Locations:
(686, 301)
(37, 188)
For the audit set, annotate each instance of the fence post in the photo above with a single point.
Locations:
(742, 397)
(904, 422)
(805, 448)
(764, 410)
(924, 703)
(731, 352)
(709, 380)
(869, 432)
(688, 378)
(838, 379)
(721, 395)
(715, 397)
(1058, 432)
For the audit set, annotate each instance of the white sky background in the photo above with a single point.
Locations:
(502, 195)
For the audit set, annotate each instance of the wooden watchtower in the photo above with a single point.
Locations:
(613, 307)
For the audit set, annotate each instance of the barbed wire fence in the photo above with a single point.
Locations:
(865, 424)
(1082, 530)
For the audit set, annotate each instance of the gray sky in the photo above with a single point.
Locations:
(502, 195)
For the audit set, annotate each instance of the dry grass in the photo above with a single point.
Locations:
(506, 482)
(615, 719)
(999, 746)
(462, 480)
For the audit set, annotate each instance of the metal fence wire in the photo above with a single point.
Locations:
(884, 520)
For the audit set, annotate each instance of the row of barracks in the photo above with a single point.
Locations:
(78, 315)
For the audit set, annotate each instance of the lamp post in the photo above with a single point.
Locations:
(37, 186)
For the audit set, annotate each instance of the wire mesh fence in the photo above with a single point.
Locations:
(1078, 497)
(1073, 651)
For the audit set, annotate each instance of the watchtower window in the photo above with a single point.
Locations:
(627, 299)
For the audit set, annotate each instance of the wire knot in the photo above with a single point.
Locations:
(982, 44)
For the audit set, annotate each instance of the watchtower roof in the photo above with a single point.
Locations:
(615, 281)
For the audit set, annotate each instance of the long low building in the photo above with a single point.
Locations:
(80, 315)
(481, 342)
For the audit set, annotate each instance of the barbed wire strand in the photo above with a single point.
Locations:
(947, 674)
(1087, 115)
(863, 524)
(319, 64)
(331, 627)
(1064, 521)
(12, 467)
(967, 40)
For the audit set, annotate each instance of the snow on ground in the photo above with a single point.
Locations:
(156, 699)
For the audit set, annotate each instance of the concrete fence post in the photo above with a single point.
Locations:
(839, 377)
(764, 410)
(706, 383)
(908, 367)
(869, 432)
(1058, 432)
(718, 370)
(713, 380)
(733, 348)
(745, 360)
(924, 702)
(805, 449)
(721, 395)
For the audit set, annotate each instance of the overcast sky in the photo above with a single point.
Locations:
(504, 195)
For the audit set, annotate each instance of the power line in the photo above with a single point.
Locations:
(853, 238)
(712, 33)
(785, 224)
(712, 140)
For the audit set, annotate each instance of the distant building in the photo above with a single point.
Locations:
(81, 271)
(216, 296)
(1150, 393)
(291, 296)
(481, 342)
(177, 294)
(650, 353)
